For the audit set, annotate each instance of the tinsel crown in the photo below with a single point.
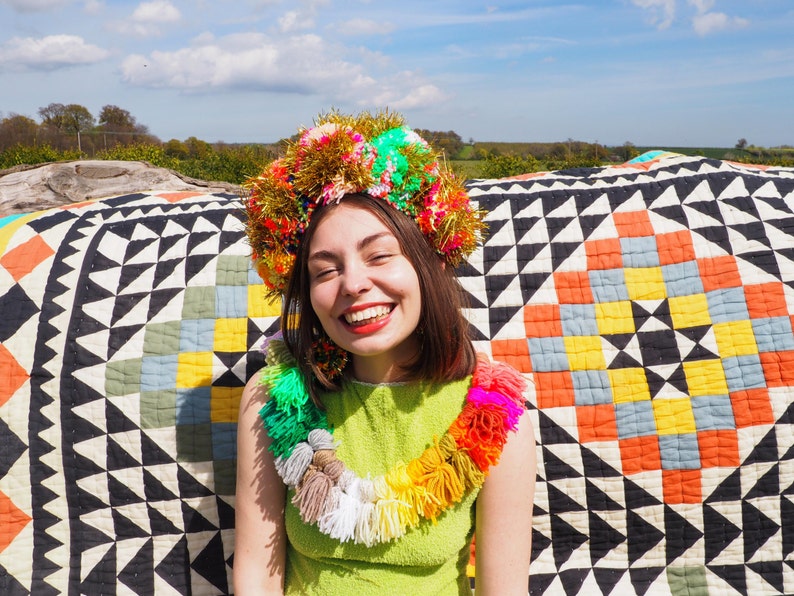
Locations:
(373, 154)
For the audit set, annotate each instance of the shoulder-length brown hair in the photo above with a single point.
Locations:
(447, 353)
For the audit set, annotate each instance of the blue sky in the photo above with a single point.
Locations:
(691, 73)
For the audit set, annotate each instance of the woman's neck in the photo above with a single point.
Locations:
(384, 368)
(371, 370)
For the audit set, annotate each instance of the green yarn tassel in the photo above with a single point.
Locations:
(289, 415)
(286, 388)
(285, 430)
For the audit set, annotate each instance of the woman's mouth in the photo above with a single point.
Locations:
(368, 315)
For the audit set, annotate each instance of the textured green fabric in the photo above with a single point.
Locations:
(379, 425)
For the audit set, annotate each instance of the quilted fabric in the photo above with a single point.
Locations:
(650, 305)
(129, 330)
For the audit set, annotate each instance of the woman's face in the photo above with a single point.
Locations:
(364, 291)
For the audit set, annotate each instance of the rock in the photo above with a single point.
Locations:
(31, 188)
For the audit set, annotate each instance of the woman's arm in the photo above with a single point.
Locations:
(504, 518)
(260, 539)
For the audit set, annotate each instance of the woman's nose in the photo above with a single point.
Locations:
(355, 279)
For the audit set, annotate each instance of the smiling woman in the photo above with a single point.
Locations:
(375, 432)
(412, 277)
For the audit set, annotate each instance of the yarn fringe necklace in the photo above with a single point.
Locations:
(368, 510)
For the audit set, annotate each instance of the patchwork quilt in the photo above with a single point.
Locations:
(650, 305)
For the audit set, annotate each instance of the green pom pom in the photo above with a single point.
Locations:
(409, 161)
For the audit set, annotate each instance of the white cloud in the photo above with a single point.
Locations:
(363, 28)
(527, 45)
(303, 64)
(491, 15)
(148, 18)
(294, 20)
(48, 53)
(34, 5)
(706, 22)
(711, 22)
(702, 5)
(459, 52)
(93, 7)
(662, 11)
(156, 12)
(301, 19)
(404, 97)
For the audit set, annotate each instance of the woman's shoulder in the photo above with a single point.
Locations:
(255, 391)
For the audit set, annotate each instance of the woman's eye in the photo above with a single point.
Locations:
(380, 257)
(324, 273)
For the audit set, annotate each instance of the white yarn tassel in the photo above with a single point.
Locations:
(366, 525)
(367, 522)
(319, 438)
(292, 468)
(351, 485)
(346, 480)
(341, 522)
(366, 490)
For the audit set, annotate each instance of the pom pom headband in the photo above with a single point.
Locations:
(370, 154)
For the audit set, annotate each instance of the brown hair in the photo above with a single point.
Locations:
(447, 353)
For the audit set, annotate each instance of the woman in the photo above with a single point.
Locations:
(375, 440)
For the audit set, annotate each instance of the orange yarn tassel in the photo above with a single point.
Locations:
(439, 478)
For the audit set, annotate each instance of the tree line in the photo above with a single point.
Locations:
(70, 131)
(73, 127)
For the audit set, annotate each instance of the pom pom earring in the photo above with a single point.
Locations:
(329, 358)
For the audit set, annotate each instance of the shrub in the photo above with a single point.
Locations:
(575, 161)
(176, 148)
(22, 154)
(226, 164)
(154, 154)
(502, 166)
(229, 163)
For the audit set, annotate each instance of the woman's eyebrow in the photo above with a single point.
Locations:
(323, 254)
(367, 240)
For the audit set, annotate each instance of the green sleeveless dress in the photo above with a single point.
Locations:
(377, 426)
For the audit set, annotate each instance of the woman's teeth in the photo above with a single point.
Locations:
(368, 315)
